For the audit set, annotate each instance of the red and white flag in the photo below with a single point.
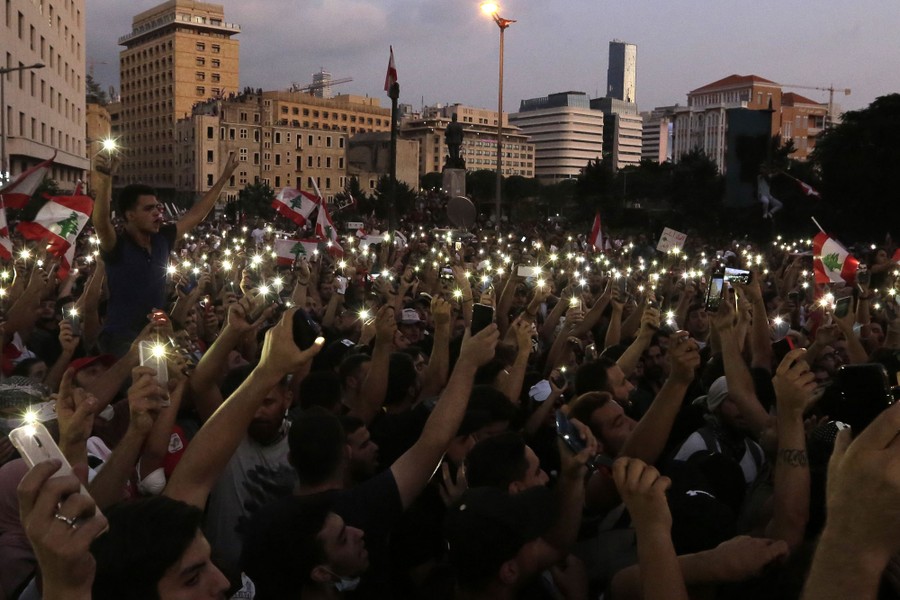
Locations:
(6, 246)
(289, 251)
(326, 231)
(391, 77)
(808, 190)
(596, 237)
(19, 191)
(295, 205)
(832, 262)
(59, 222)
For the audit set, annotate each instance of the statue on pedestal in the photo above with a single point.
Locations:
(454, 139)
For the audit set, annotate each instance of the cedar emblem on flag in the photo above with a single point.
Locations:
(295, 205)
(391, 77)
(832, 262)
(59, 222)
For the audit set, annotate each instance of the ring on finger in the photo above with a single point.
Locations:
(70, 521)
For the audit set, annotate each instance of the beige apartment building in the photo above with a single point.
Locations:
(479, 148)
(178, 54)
(273, 149)
(98, 127)
(44, 108)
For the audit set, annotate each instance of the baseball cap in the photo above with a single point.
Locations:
(489, 526)
(410, 316)
(717, 393)
(107, 360)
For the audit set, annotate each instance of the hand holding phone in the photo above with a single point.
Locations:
(153, 355)
(571, 437)
(482, 316)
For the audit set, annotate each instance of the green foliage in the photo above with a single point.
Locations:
(855, 159)
(696, 192)
(432, 181)
(94, 94)
(255, 200)
(405, 197)
(594, 190)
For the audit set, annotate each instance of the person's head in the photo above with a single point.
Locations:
(603, 375)
(154, 549)
(411, 325)
(352, 373)
(607, 420)
(656, 367)
(32, 368)
(46, 315)
(403, 380)
(718, 402)
(141, 209)
(490, 532)
(504, 461)
(91, 368)
(318, 447)
(363, 451)
(310, 546)
(499, 411)
(268, 421)
(420, 361)
(321, 388)
(697, 323)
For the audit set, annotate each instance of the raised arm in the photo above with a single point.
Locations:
(375, 386)
(649, 326)
(199, 211)
(100, 217)
(439, 362)
(649, 436)
(415, 467)
(217, 440)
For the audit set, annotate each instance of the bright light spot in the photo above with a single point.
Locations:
(264, 290)
(171, 269)
(364, 314)
(158, 351)
(109, 144)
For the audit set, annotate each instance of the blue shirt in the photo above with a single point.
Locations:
(136, 278)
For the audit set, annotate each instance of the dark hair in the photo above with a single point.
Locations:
(493, 402)
(316, 442)
(23, 366)
(320, 388)
(584, 406)
(145, 538)
(351, 424)
(593, 376)
(402, 375)
(281, 558)
(497, 461)
(128, 199)
(349, 367)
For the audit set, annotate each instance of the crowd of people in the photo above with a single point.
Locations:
(350, 423)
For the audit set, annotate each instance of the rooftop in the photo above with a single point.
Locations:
(733, 81)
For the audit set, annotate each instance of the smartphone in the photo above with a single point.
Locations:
(482, 316)
(36, 445)
(340, 284)
(622, 282)
(525, 271)
(153, 354)
(306, 330)
(74, 319)
(716, 291)
(863, 277)
(570, 437)
(865, 391)
(781, 348)
(842, 307)
(738, 275)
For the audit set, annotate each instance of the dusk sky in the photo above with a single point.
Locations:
(446, 50)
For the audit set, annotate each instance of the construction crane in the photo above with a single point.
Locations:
(830, 89)
(309, 89)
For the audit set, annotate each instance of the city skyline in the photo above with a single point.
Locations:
(447, 52)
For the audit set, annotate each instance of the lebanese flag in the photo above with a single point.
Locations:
(896, 256)
(18, 192)
(391, 77)
(596, 237)
(289, 251)
(295, 205)
(6, 246)
(808, 190)
(325, 230)
(832, 262)
(59, 222)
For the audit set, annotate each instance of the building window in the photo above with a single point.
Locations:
(201, 47)
(216, 63)
(256, 158)
(210, 156)
(277, 181)
(327, 162)
(201, 62)
(340, 142)
(216, 48)
(277, 137)
(201, 91)
(210, 132)
(243, 133)
(209, 179)
(243, 154)
(201, 76)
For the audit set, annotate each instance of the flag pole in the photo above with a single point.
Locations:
(817, 224)
(392, 196)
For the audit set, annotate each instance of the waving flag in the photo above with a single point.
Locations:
(6, 247)
(59, 222)
(326, 231)
(18, 192)
(295, 205)
(832, 262)
(596, 238)
(391, 77)
(289, 251)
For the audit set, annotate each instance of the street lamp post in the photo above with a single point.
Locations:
(4, 163)
(492, 9)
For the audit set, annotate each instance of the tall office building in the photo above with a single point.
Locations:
(565, 131)
(322, 84)
(621, 75)
(44, 109)
(178, 54)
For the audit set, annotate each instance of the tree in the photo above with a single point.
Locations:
(432, 181)
(405, 197)
(855, 159)
(594, 191)
(94, 94)
(696, 192)
(255, 200)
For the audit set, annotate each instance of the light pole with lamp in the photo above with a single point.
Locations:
(493, 9)
(4, 162)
